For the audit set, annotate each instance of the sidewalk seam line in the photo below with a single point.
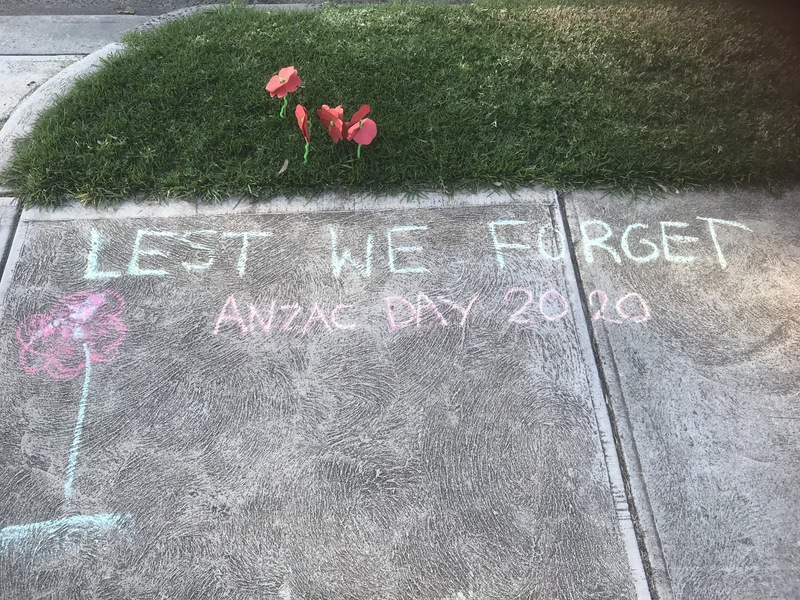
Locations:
(623, 467)
(639, 480)
(12, 232)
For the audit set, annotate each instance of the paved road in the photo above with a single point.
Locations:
(92, 7)
(106, 7)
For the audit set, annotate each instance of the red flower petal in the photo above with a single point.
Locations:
(286, 73)
(336, 132)
(286, 81)
(273, 85)
(332, 119)
(363, 132)
(292, 84)
(360, 114)
(302, 120)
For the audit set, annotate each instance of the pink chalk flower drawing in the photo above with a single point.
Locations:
(80, 330)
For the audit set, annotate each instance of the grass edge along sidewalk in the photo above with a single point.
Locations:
(625, 96)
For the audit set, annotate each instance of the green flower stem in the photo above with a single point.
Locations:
(285, 104)
(358, 153)
(308, 145)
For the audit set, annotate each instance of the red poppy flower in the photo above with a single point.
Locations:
(360, 114)
(302, 121)
(332, 119)
(285, 82)
(58, 342)
(363, 132)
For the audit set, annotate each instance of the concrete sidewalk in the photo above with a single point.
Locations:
(458, 398)
(704, 392)
(477, 397)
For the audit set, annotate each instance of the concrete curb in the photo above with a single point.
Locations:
(331, 202)
(9, 217)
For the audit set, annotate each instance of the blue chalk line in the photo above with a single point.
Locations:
(76, 438)
(98, 523)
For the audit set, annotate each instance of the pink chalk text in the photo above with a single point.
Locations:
(553, 306)
(402, 313)
(623, 306)
(280, 318)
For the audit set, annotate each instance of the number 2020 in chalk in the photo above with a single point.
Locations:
(552, 306)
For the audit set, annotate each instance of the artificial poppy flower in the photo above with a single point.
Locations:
(363, 132)
(285, 82)
(360, 114)
(302, 121)
(332, 119)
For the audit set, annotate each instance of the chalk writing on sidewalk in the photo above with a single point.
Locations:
(622, 306)
(284, 317)
(417, 311)
(157, 253)
(597, 239)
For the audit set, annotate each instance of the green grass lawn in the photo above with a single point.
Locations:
(609, 94)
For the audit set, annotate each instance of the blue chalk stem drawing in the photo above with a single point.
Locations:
(82, 329)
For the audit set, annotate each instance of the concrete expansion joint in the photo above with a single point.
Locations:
(619, 478)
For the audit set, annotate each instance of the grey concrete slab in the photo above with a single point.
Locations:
(21, 75)
(63, 34)
(322, 404)
(695, 302)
